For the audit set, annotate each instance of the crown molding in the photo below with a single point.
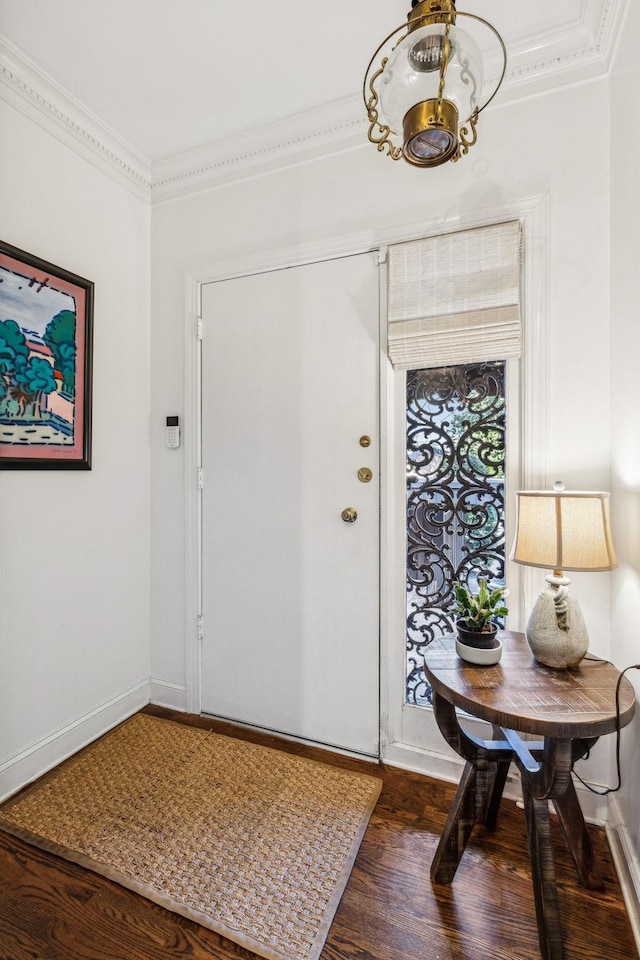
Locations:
(577, 52)
(41, 99)
(580, 51)
(307, 136)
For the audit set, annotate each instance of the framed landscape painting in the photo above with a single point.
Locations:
(46, 326)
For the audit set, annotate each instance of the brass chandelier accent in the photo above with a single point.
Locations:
(423, 101)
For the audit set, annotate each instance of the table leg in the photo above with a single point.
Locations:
(460, 822)
(578, 840)
(543, 874)
(479, 792)
(490, 818)
(476, 801)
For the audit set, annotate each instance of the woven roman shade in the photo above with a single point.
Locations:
(455, 298)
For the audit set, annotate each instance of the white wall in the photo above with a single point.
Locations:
(74, 545)
(76, 610)
(625, 399)
(526, 149)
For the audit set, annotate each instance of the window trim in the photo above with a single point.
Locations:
(409, 736)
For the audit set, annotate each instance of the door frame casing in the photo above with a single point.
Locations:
(278, 258)
(534, 213)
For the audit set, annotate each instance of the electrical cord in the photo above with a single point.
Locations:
(585, 756)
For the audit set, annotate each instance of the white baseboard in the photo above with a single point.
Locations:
(29, 764)
(167, 693)
(440, 766)
(448, 766)
(627, 865)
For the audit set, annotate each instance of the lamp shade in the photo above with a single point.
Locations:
(563, 530)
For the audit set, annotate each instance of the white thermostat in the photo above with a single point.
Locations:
(173, 432)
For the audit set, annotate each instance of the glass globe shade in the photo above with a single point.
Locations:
(413, 73)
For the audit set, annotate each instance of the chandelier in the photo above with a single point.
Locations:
(424, 99)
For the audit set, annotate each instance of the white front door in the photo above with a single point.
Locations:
(290, 590)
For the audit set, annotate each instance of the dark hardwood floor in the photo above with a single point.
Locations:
(54, 910)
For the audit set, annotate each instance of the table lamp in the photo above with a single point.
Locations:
(562, 530)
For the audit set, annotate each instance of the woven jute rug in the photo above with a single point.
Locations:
(248, 841)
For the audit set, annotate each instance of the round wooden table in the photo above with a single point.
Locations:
(569, 709)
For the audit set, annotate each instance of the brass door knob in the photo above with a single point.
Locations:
(349, 514)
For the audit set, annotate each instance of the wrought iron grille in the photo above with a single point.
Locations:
(455, 498)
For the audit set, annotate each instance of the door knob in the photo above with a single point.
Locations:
(349, 515)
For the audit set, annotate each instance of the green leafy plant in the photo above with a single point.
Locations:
(477, 610)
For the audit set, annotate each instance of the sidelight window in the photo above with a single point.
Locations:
(455, 489)
(453, 325)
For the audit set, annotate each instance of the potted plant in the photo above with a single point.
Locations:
(477, 612)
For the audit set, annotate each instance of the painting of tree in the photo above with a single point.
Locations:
(60, 336)
(25, 380)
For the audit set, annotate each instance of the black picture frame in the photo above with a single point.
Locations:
(46, 364)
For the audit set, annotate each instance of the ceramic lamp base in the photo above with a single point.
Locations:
(557, 641)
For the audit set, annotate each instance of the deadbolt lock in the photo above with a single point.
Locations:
(365, 441)
(364, 475)
(349, 514)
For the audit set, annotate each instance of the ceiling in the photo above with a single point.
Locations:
(169, 77)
